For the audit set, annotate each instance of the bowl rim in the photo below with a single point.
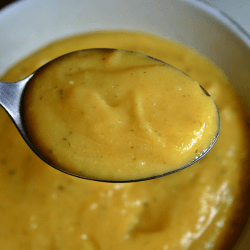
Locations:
(223, 17)
(203, 5)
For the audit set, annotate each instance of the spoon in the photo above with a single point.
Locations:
(11, 99)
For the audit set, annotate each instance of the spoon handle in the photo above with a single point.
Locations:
(10, 99)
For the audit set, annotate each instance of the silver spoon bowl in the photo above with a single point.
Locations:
(11, 98)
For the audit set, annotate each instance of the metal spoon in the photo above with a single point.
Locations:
(11, 97)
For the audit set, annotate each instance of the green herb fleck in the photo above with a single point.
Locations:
(3, 161)
(12, 172)
(61, 187)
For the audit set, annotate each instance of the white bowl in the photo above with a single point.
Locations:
(28, 25)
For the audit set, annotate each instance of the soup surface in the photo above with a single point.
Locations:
(118, 115)
(199, 207)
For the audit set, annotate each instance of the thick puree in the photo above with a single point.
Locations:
(200, 207)
(117, 115)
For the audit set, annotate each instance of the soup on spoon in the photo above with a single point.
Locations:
(114, 115)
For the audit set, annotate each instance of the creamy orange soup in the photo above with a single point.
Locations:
(118, 115)
(199, 207)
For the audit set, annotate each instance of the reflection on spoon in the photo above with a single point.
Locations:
(113, 115)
